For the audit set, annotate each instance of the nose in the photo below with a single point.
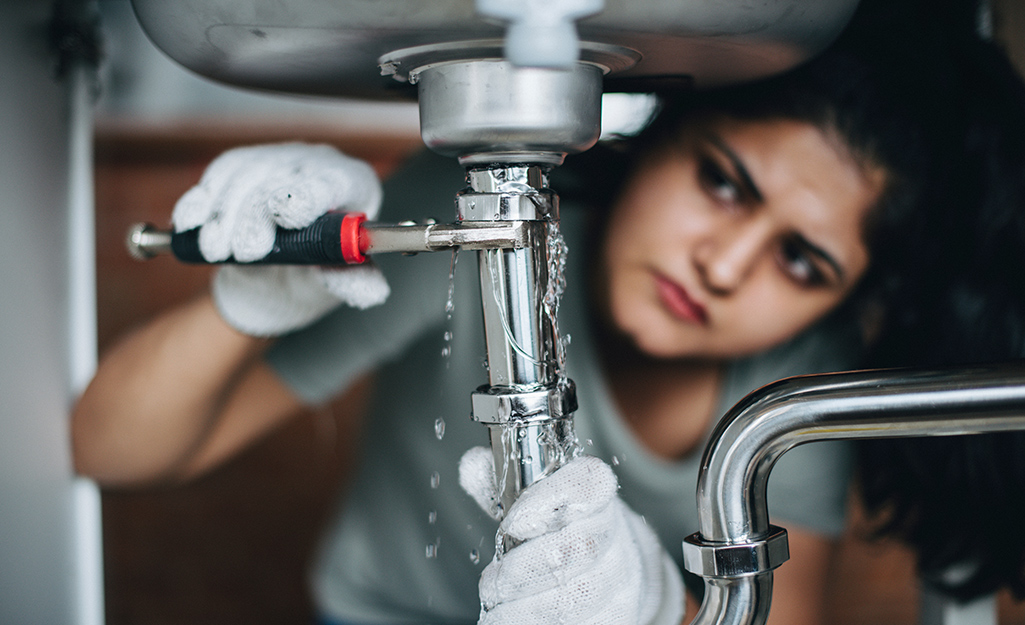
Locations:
(725, 258)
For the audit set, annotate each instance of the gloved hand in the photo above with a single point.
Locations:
(583, 556)
(241, 199)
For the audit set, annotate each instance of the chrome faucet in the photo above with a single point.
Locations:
(736, 549)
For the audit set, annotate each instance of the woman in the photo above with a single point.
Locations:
(746, 236)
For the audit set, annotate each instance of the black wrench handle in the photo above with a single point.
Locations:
(334, 238)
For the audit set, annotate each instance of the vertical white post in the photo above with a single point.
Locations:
(48, 520)
(87, 538)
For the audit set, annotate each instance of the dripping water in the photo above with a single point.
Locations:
(450, 306)
(446, 351)
(558, 252)
(450, 303)
(494, 264)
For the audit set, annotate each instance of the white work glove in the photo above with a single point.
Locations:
(241, 199)
(583, 556)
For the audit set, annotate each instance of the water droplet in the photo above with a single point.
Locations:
(590, 443)
(436, 479)
(432, 517)
(450, 304)
(474, 556)
(615, 461)
(448, 336)
(432, 550)
(446, 351)
(439, 428)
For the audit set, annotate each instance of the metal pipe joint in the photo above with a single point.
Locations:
(736, 547)
(730, 560)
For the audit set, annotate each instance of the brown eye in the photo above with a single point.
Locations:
(797, 262)
(716, 183)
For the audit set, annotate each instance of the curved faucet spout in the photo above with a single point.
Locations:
(748, 441)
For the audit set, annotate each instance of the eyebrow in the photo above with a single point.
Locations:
(738, 166)
(748, 182)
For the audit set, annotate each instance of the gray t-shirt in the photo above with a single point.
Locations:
(407, 544)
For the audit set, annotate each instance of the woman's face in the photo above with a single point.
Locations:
(736, 238)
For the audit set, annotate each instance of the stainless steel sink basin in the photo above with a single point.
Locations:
(335, 47)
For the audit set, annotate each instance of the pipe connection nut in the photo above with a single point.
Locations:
(721, 560)
(507, 192)
(500, 405)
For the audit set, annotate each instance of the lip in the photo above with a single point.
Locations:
(678, 302)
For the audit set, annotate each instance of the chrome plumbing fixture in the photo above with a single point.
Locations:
(736, 548)
(528, 403)
(509, 125)
(482, 109)
(489, 111)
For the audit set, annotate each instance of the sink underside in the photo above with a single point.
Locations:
(335, 47)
